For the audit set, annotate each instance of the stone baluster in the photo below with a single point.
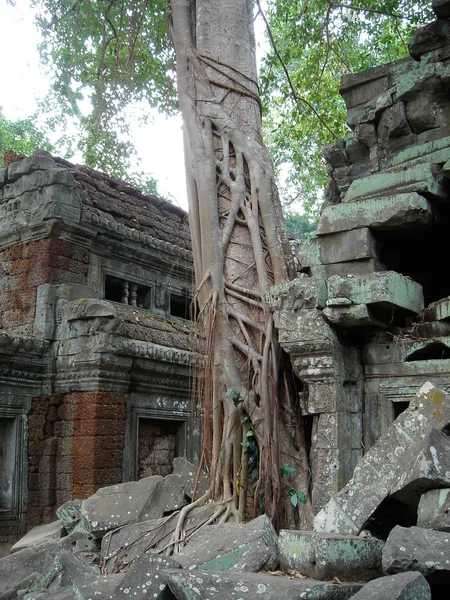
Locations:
(133, 294)
(125, 292)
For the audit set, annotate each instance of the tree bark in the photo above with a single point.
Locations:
(253, 427)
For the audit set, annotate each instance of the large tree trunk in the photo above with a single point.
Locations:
(252, 425)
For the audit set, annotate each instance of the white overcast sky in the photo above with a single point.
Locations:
(159, 145)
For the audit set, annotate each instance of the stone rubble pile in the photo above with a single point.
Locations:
(386, 535)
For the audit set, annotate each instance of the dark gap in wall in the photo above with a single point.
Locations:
(180, 307)
(434, 351)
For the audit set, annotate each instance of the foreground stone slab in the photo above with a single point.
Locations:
(188, 472)
(114, 506)
(401, 463)
(17, 567)
(434, 510)
(418, 549)
(146, 578)
(404, 586)
(38, 534)
(188, 585)
(438, 311)
(388, 288)
(324, 556)
(390, 212)
(232, 547)
(348, 246)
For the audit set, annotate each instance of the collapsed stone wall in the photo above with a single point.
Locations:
(367, 322)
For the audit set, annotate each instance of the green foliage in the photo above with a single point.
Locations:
(287, 470)
(318, 41)
(296, 496)
(300, 226)
(21, 136)
(104, 58)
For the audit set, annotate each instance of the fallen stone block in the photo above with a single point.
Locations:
(11, 594)
(354, 315)
(102, 587)
(387, 288)
(431, 37)
(116, 505)
(34, 559)
(168, 495)
(66, 593)
(189, 472)
(411, 457)
(187, 585)
(434, 510)
(39, 534)
(324, 556)
(418, 549)
(146, 578)
(121, 546)
(389, 212)
(438, 311)
(404, 586)
(232, 547)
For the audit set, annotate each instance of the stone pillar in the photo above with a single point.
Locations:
(332, 376)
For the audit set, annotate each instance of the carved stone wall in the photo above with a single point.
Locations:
(368, 320)
(88, 342)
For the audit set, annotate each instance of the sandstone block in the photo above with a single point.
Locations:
(231, 547)
(187, 585)
(438, 311)
(389, 212)
(418, 549)
(348, 246)
(404, 586)
(388, 287)
(409, 459)
(39, 534)
(431, 37)
(434, 510)
(423, 179)
(324, 556)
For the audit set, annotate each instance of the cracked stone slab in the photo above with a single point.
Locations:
(51, 531)
(411, 457)
(324, 556)
(187, 585)
(232, 547)
(418, 549)
(404, 586)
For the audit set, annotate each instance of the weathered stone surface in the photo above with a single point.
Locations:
(168, 495)
(434, 510)
(28, 165)
(404, 586)
(35, 559)
(423, 178)
(324, 556)
(123, 545)
(410, 458)
(354, 267)
(387, 287)
(70, 514)
(432, 36)
(189, 472)
(354, 315)
(348, 246)
(308, 252)
(103, 587)
(145, 578)
(231, 547)
(39, 534)
(252, 586)
(390, 212)
(117, 505)
(418, 549)
(438, 311)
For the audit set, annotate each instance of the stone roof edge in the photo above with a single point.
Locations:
(150, 350)
(97, 219)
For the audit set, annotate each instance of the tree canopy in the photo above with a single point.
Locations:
(317, 42)
(104, 57)
(21, 136)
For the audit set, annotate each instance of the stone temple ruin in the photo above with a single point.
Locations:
(96, 343)
(93, 388)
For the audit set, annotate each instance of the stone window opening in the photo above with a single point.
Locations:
(159, 442)
(127, 292)
(180, 306)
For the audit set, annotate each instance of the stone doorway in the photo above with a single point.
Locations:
(7, 464)
(157, 445)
